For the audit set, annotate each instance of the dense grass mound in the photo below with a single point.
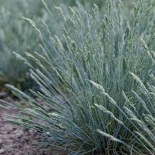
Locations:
(96, 79)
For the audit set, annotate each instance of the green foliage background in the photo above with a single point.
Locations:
(16, 35)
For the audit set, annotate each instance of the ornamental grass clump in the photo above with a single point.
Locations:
(96, 79)
(16, 35)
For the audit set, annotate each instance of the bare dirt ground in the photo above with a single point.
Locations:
(15, 140)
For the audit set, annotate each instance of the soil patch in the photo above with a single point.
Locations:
(15, 140)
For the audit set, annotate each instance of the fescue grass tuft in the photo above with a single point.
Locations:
(96, 79)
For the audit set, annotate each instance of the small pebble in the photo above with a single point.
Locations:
(3, 95)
